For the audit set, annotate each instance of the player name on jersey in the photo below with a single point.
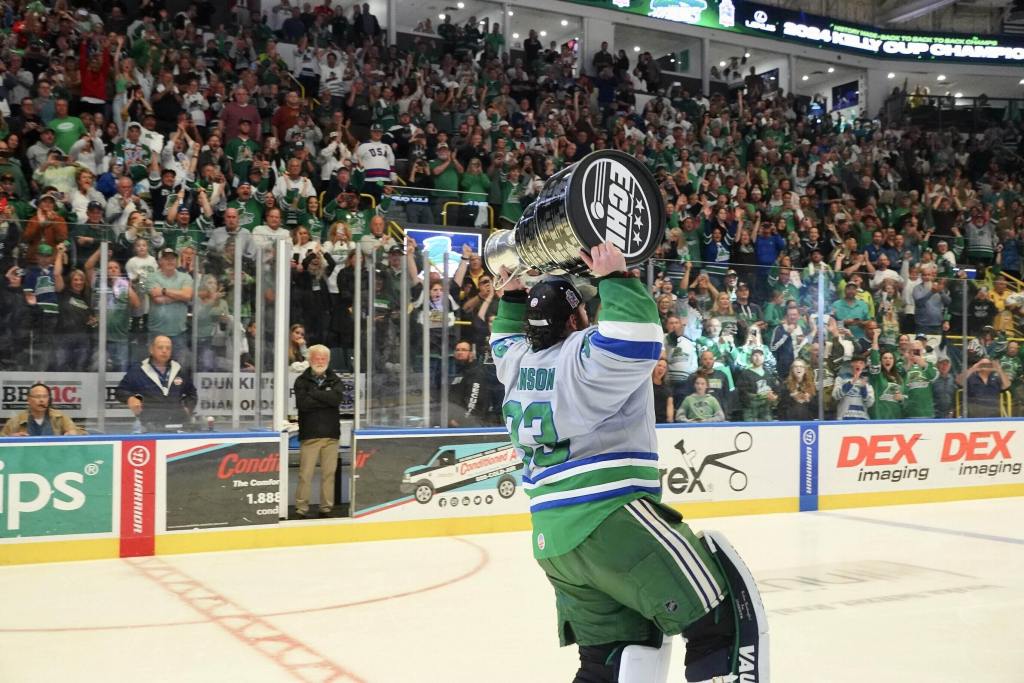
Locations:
(536, 379)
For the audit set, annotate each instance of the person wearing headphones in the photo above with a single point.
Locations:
(40, 419)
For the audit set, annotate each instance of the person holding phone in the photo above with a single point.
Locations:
(983, 383)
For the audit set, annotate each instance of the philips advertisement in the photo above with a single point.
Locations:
(49, 489)
(751, 18)
(437, 475)
(217, 485)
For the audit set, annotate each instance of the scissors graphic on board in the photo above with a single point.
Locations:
(742, 442)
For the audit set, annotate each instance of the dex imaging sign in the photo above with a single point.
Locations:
(886, 457)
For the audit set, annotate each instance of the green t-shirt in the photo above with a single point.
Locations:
(118, 314)
(886, 406)
(919, 400)
(702, 408)
(68, 131)
(250, 213)
(494, 42)
(169, 319)
(240, 153)
(447, 182)
(195, 235)
(358, 222)
(208, 318)
(476, 183)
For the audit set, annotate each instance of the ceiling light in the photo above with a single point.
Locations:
(543, 34)
(511, 13)
(515, 36)
(958, 94)
(892, 75)
(460, 5)
(746, 55)
(441, 17)
(565, 22)
(1021, 81)
(722, 63)
(804, 77)
(831, 69)
(636, 48)
(940, 77)
(673, 60)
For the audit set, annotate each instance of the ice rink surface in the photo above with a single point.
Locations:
(909, 593)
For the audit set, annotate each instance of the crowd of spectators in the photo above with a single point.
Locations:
(178, 141)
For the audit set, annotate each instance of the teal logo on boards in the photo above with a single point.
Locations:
(51, 490)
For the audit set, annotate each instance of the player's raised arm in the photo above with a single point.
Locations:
(511, 309)
(628, 324)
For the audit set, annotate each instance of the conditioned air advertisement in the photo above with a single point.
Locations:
(453, 475)
(213, 485)
(751, 18)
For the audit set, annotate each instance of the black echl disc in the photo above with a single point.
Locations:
(614, 198)
(607, 196)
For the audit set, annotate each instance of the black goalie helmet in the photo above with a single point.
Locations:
(549, 305)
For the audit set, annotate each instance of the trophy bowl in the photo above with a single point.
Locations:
(607, 196)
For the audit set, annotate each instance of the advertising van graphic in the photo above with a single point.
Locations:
(465, 467)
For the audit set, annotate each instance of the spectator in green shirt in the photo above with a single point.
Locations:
(447, 172)
(170, 293)
(476, 184)
(852, 312)
(700, 406)
(920, 374)
(886, 381)
(67, 129)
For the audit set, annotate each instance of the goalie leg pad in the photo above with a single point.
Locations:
(643, 664)
(737, 632)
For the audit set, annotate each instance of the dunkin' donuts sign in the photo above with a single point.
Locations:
(616, 207)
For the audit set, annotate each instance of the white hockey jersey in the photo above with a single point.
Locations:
(377, 160)
(581, 414)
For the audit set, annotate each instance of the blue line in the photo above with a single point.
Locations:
(932, 529)
(199, 436)
(583, 462)
(430, 432)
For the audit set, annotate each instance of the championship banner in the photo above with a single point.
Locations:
(767, 21)
(875, 457)
(49, 489)
(727, 462)
(218, 484)
(430, 474)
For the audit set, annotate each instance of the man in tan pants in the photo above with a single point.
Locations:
(317, 396)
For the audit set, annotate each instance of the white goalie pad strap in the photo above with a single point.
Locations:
(642, 664)
(752, 664)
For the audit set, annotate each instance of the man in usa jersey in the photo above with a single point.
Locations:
(627, 572)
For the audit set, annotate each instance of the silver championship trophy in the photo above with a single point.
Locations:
(607, 196)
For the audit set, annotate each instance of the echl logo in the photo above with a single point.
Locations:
(617, 209)
(688, 480)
